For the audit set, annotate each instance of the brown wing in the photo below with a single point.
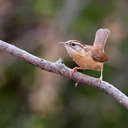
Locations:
(101, 38)
(98, 55)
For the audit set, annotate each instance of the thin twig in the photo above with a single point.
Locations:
(59, 68)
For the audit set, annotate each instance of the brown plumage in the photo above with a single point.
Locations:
(99, 55)
(89, 56)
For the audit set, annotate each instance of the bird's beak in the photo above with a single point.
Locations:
(62, 43)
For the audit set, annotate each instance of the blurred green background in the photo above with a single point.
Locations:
(31, 98)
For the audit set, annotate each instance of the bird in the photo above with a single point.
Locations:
(87, 56)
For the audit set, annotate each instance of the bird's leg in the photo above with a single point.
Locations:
(101, 74)
(76, 68)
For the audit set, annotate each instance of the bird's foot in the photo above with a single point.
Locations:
(73, 71)
(101, 78)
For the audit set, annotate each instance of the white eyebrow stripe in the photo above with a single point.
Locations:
(76, 42)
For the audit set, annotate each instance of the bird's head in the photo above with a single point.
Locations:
(73, 46)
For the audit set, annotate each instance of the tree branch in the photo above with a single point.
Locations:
(63, 70)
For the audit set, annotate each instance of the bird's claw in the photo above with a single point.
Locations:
(100, 79)
(72, 71)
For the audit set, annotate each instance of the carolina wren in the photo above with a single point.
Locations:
(89, 56)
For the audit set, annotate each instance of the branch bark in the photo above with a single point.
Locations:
(59, 68)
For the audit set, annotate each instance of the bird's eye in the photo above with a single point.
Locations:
(73, 44)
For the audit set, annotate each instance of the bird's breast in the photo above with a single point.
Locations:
(87, 62)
